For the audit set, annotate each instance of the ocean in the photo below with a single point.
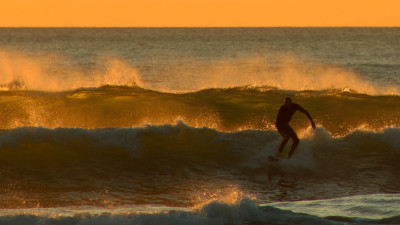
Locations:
(175, 126)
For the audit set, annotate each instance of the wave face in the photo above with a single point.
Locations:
(182, 166)
(338, 111)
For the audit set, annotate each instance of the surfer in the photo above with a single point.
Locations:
(282, 124)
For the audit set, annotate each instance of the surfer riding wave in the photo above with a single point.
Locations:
(285, 114)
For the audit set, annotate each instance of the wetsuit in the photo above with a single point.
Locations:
(285, 114)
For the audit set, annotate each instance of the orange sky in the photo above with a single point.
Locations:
(198, 13)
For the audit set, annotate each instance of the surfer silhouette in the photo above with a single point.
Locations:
(282, 124)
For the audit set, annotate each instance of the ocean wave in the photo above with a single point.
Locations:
(218, 213)
(182, 145)
(232, 109)
(55, 73)
(155, 163)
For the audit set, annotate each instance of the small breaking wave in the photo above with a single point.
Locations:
(218, 213)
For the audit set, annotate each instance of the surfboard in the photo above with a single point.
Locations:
(273, 158)
(276, 158)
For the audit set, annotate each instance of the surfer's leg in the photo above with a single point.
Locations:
(283, 144)
(285, 139)
(295, 139)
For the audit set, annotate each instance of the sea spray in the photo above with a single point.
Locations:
(44, 73)
(19, 71)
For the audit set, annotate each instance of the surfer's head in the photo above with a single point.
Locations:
(288, 101)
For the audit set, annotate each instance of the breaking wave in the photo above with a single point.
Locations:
(233, 109)
(20, 71)
(243, 212)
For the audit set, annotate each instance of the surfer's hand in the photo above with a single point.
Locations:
(313, 124)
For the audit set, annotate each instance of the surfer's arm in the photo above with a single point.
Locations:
(308, 116)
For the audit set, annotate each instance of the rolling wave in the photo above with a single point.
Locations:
(180, 146)
(159, 163)
(232, 109)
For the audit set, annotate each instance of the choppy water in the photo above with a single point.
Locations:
(175, 126)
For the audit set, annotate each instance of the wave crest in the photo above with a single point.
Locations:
(46, 73)
(54, 73)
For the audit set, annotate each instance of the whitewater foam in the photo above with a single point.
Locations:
(374, 206)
